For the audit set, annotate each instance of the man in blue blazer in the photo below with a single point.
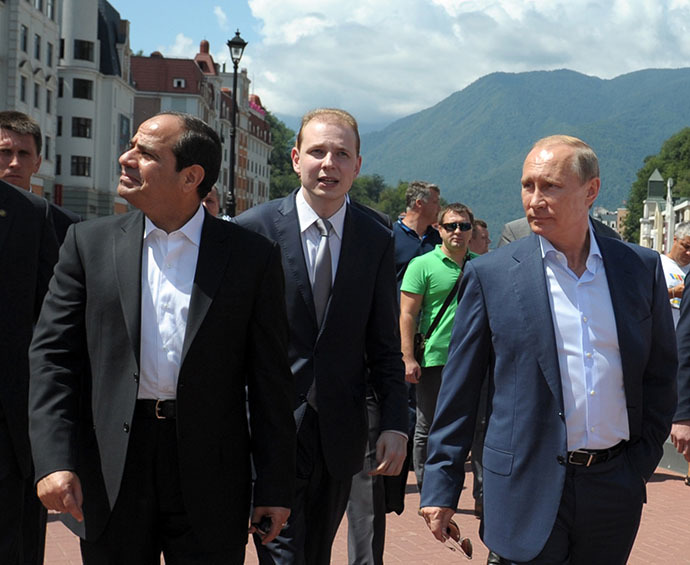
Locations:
(334, 352)
(575, 330)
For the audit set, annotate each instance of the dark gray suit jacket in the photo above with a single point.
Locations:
(236, 337)
(517, 229)
(360, 330)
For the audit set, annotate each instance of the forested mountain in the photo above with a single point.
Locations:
(472, 144)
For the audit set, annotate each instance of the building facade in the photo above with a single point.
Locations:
(29, 73)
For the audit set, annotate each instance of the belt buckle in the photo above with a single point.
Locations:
(157, 410)
(590, 458)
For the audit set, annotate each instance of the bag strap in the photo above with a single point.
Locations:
(446, 303)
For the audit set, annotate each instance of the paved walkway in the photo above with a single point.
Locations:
(663, 536)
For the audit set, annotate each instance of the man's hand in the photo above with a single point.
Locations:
(61, 491)
(680, 437)
(391, 450)
(413, 371)
(278, 516)
(437, 518)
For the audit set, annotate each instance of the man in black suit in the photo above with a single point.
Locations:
(20, 158)
(176, 312)
(335, 335)
(28, 251)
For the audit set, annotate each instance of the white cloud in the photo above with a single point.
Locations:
(183, 48)
(385, 59)
(221, 18)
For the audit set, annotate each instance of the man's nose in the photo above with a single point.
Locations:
(126, 158)
(327, 160)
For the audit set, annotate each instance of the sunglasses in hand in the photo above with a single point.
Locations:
(455, 541)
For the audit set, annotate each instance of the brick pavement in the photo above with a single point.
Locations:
(662, 538)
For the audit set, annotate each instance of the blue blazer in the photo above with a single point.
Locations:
(359, 338)
(503, 324)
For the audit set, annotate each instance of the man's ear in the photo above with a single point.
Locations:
(294, 155)
(193, 176)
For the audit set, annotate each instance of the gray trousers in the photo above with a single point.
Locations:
(427, 394)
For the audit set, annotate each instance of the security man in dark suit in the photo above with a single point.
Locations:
(176, 313)
(342, 308)
(28, 251)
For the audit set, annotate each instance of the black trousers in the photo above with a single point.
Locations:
(319, 506)
(12, 486)
(598, 517)
(149, 517)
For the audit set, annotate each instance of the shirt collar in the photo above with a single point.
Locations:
(549, 252)
(306, 215)
(191, 230)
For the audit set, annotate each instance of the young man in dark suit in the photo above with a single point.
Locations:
(336, 333)
(175, 313)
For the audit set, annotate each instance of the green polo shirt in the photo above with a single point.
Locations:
(433, 276)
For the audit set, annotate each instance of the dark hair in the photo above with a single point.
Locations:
(458, 209)
(22, 124)
(329, 116)
(200, 145)
(479, 223)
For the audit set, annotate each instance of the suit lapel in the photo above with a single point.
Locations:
(6, 211)
(214, 253)
(621, 276)
(290, 241)
(127, 243)
(529, 283)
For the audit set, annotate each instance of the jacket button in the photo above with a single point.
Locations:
(136, 376)
(125, 427)
(560, 415)
(561, 460)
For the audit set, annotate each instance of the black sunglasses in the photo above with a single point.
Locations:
(464, 226)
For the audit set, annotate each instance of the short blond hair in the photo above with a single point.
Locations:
(585, 162)
(328, 115)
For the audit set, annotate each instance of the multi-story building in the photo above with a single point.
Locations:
(28, 72)
(95, 106)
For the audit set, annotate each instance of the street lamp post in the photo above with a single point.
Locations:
(236, 46)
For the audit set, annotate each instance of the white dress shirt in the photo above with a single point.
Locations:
(168, 265)
(588, 352)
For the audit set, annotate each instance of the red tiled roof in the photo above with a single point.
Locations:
(156, 74)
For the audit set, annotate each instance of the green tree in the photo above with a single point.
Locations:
(367, 189)
(392, 200)
(673, 160)
(283, 178)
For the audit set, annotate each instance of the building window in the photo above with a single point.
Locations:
(37, 96)
(82, 88)
(49, 101)
(24, 39)
(83, 50)
(179, 83)
(61, 86)
(81, 127)
(37, 47)
(125, 134)
(46, 148)
(59, 126)
(49, 54)
(50, 9)
(22, 89)
(62, 48)
(81, 166)
(38, 4)
(58, 164)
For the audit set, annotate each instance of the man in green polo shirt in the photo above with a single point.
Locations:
(427, 282)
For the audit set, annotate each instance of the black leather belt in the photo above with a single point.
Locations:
(589, 457)
(156, 409)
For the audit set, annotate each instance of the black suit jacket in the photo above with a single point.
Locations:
(28, 251)
(360, 330)
(236, 336)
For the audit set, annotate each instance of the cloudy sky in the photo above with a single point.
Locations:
(385, 59)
